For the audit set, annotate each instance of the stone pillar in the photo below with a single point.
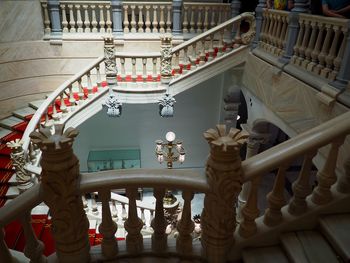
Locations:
(224, 176)
(177, 23)
(110, 64)
(343, 76)
(254, 142)
(54, 13)
(117, 6)
(259, 20)
(235, 8)
(165, 59)
(60, 192)
(300, 6)
(23, 178)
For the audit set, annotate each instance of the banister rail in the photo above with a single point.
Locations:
(287, 151)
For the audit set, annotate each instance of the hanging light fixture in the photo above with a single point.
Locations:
(166, 106)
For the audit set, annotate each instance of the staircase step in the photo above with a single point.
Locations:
(4, 132)
(24, 113)
(10, 122)
(12, 192)
(308, 247)
(272, 254)
(36, 104)
(337, 230)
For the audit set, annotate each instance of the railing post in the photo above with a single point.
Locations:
(110, 64)
(54, 12)
(224, 177)
(165, 59)
(235, 7)
(177, 13)
(343, 76)
(300, 6)
(259, 19)
(117, 6)
(60, 192)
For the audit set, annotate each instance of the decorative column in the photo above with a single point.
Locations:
(110, 64)
(54, 12)
(23, 178)
(231, 106)
(254, 142)
(177, 23)
(259, 19)
(300, 6)
(117, 6)
(224, 177)
(165, 58)
(60, 192)
(235, 7)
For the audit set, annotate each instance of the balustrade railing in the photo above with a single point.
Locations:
(274, 33)
(321, 44)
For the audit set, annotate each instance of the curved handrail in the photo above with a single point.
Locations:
(51, 98)
(312, 139)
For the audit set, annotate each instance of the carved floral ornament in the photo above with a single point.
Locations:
(15, 145)
(249, 36)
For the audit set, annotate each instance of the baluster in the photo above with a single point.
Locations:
(98, 78)
(5, 254)
(108, 21)
(185, 226)
(133, 69)
(237, 38)
(126, 19)
(94, 209)
(148, 20)
(304, 44)
(212, 20)
(47, 122)
(71, 98)
(93, 19)
(316, 52)
(71, 19)
(332, 54)
(159, 238)
(250, 211)
(86, 19)
(46, 19)
(85, 202)
(102, 22)
(176, 64)
(202, 53)
(64, 19)
(55, 115)
(265, 26)
(114, 210)
(325, 48)
(79, 20)
(199, 20)
(63, 106)
(154, 70)
(206, 18)
(220, 15)
(133, 19)
(168, 19)
(276, 200)
(278, 39)
(81, 91)
(108, 227)
(272, 32)
(161, 19)
(311, 45)
(140, 23)
(151, 216)
(133, 225)
(211, 47)
(122, 69)
(185, 61)
(283, 35)
(221, 43)
(299, 41)
(124, 214)
(89, 84)
(155, 20)
(192, 23)
(185, 21)
(144, 69)
(327, 176)
(337, 61)
(193, 58)
(301, 187)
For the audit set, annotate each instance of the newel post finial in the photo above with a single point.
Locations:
(60, 191)
(225, 177)
(165, 58)
(110, 63)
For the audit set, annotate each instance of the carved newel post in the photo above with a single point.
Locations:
(110, 64)
(60, 191)
(224, 176)
(23, 178)
(165, 58)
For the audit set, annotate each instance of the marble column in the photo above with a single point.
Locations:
(259, 20)
(117, 6)
(54, 12)
(177, 23)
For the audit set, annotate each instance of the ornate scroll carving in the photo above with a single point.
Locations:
(60, 181)
(110, 64)
(166, 106)
(165, 58)
(224, 176)
(250, 35)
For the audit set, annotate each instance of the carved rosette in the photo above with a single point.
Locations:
(18, 161)
(165, 58)
(250, 35)
(224, 175)
(60, 191)
(110, 63)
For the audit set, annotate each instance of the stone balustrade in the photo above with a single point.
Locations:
(321, 45)
(274, 33)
